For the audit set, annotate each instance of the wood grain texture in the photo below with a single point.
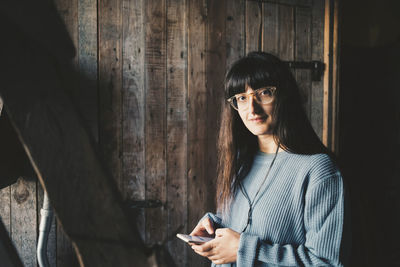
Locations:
(303, 53)
(253, 22)
(271, 33)
(68, 11)
(47, 118)
(235, 31)
(317, 43)
(133, 106)
(110, 84)
(155, 129)
(5, 208)
(328, 77)
(197, 132)
(286, 26)
(335, 77)
(87, 64)
(23, 220)
(177, 128)
(216, 67)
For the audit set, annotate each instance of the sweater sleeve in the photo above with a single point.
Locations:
(323, 226)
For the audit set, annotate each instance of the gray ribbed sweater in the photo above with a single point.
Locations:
(298, 215)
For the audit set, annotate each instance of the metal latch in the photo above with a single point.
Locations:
(317, 68)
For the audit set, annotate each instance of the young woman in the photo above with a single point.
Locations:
(280, 195)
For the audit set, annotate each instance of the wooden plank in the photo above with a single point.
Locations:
(235, 31)
(216, 66)
(155, 129)
(303, 53)
(176, 128)
(46, 118)
(133, 107)
(316, 113)
(286, 26)
(68, 11)
(5, 208)
(271, 34)
(23, 220)
(110, 84)
(87, 63)
(197, 133)
(327, 76)
(335, 79)
(253, 23)
(52, 238)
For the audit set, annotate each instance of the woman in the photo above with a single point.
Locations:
(280, 195)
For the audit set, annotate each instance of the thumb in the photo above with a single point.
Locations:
(209, 225)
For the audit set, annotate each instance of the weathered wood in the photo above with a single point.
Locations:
(197, 132)
(5, 208)
(133, 107)
(155, 129)
(327, 78)
(176, 128)
(68, 11)
(303, 53)
(8, 254)
(216, 66)
(23, 220)
(234, 31)
(87, 63)
(317, 94)
(110, 76)
(46, 118)
(335, 78)
(286, 32)
(271, 33)
(253, 23)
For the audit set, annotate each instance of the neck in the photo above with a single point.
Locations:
(267, 144)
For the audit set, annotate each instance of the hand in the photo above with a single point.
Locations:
(204, 228)
(223, 249)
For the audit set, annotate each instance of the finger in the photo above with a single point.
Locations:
(196, 230)
(218, 261)
(209, 225)
(220, 231)
(204, 247)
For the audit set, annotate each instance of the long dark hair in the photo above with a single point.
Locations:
(292, 129)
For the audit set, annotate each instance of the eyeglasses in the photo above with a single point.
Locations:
(263, 96)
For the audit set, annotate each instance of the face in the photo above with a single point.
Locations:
(257, 117)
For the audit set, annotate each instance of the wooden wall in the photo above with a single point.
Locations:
(154, 79)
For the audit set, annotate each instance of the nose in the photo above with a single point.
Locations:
(253, 105)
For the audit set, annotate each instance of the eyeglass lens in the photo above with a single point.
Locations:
(263, 96)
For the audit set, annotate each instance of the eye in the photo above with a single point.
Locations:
(241, 98)
(265, 92)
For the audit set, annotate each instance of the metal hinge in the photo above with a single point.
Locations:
(317, 68)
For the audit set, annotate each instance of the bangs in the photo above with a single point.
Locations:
(251, 71)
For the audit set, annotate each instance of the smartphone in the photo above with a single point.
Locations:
(194, 239)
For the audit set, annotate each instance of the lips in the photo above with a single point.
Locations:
(258, 119)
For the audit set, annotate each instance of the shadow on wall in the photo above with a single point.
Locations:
(369, 145)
